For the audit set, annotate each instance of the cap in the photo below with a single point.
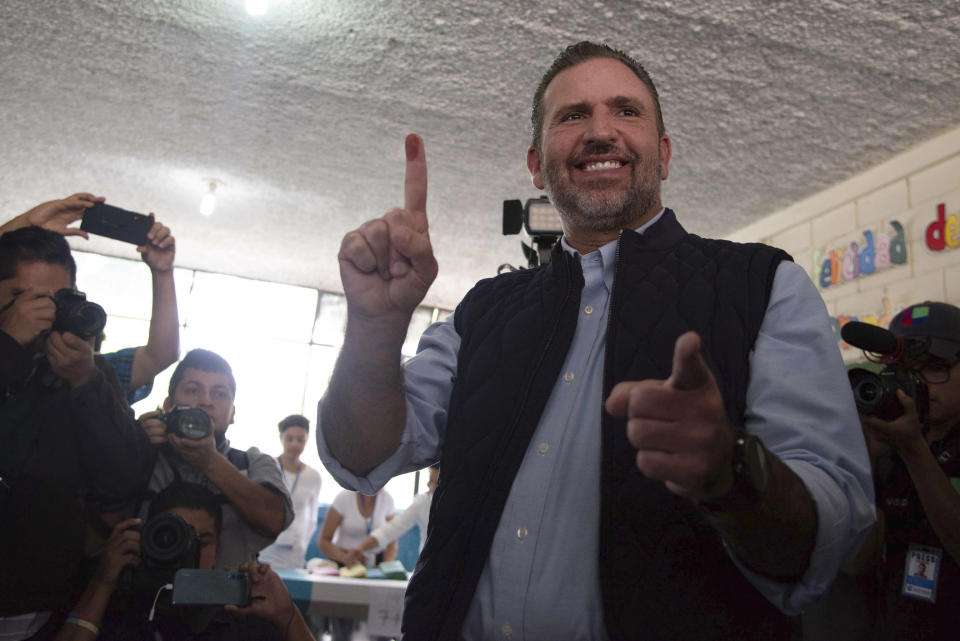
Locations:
(937, 324)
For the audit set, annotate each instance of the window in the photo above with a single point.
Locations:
(282, 342)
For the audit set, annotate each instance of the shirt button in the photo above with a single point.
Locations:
(507, 630)
(588, 310)
(544, 448)
(568, 376)
(521, 533)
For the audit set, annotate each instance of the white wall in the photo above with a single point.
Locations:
(907, 189)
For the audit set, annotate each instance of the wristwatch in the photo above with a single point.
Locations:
(751, 476)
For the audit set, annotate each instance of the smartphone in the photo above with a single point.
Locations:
(210, 587)
(106, 220)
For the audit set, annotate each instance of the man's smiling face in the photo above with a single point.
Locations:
(601, 157)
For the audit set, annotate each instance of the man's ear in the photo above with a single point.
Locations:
(533, 164)
(167, 404)
(666, 150)
(233, 414)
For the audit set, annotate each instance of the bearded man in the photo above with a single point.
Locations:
(650, 437)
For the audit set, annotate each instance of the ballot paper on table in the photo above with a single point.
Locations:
(386, 611)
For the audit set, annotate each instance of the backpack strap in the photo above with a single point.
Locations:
(238, 458)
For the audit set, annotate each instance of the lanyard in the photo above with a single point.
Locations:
(295, 480)
(368, 520)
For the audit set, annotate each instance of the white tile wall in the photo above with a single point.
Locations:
(883, 204)
(931, 183)
(834, 223)
(907, 189)
(793, 240)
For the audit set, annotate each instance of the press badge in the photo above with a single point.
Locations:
(922, 572)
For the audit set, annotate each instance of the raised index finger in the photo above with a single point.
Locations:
(415, 181)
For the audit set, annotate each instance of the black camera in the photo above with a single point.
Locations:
(167, 542)
(170, 552)
(188, 422)
(875, 393)
(77, 315)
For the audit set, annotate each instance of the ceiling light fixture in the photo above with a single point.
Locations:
(257, 7)
(209, 201)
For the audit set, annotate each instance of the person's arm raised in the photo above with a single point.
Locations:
(163, 344)
(386, 265)
(55, 215)
(939, 499)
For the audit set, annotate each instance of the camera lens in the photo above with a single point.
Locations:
(867, 392)
(77, 315)
(189, 422)
(166, 538)
(89, 320)
(876, 393)
(868, 389)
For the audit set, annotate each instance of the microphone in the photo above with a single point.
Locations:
(870, 338)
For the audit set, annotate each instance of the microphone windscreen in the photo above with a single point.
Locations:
(869, 337)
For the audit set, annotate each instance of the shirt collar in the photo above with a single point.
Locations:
(608, 252)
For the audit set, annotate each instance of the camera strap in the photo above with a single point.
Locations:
(238, 458)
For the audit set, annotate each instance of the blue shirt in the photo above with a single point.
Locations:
(122, 362)
(541, 577)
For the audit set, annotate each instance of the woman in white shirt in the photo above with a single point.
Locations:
(349, 520)
(418, 513)
(303, 482)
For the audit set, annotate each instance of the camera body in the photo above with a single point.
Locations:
(77, 315)
(170, 552)
(167, 544)
(903, 359)
(876, 393)
(188, 422)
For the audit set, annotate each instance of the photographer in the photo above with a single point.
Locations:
(135, 366)
(917, 475)
(112, 608)
(256, 503)
(65, 430)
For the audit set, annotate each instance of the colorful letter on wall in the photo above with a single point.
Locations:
(944, 231)
(842, 264)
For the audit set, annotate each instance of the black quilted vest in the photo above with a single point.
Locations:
(664, 572)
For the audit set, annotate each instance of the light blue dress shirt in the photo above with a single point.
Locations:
(541, 577)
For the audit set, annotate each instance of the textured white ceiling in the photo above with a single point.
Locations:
(301, 113)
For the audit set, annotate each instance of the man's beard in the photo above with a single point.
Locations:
(604, 209)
